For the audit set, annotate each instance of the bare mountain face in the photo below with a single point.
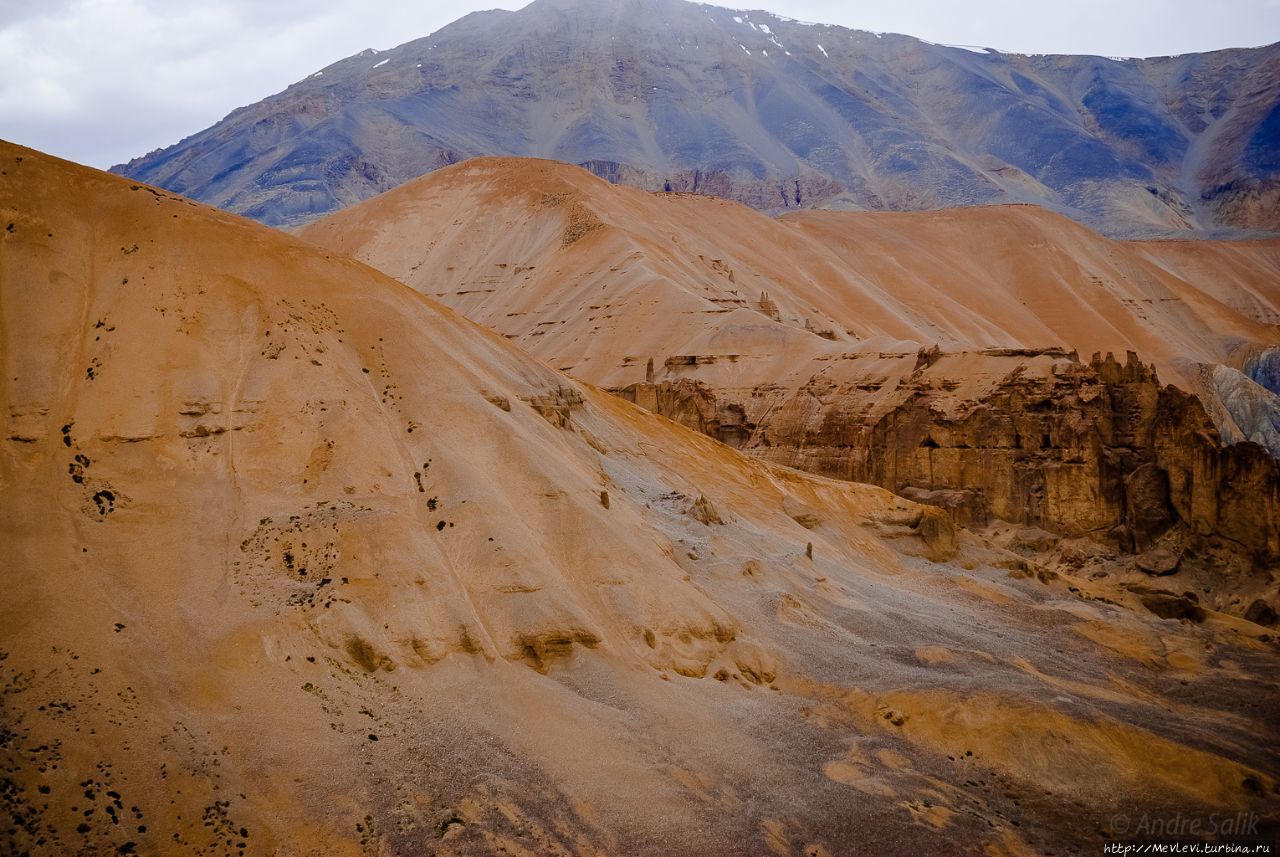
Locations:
(1002, 363)
(298, 561)
(665, 94)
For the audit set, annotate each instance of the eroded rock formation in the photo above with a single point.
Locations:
(1098, 449)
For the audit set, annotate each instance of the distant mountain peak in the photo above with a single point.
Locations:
(756, 107)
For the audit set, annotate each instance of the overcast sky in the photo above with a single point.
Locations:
(102, 81)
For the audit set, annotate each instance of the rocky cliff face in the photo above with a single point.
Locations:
(670, 95)
(1098, 450)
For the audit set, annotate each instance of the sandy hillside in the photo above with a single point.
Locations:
(298, 561)
(596, 278)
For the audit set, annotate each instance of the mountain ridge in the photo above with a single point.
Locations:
(665, 94)
(879, 279)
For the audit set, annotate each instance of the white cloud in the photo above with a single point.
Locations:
(1101, 27)
(102, 81)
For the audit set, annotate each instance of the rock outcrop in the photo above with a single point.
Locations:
(1247, 400)
(1098, 449)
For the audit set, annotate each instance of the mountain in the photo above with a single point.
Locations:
(612, 272)
(300, 561)
(961, 357)
(666, 94)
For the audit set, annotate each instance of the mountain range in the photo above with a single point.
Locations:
(671, 492)
(776, 113)
(300, 561)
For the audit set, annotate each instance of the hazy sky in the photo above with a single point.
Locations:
(101, 81)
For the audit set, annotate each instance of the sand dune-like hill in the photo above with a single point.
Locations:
(596, 278)
(299, 561)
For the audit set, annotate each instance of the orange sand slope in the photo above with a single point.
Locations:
(586, 274)
(300, 562)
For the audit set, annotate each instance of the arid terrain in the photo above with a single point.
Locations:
(1002, 363)
(301, 561)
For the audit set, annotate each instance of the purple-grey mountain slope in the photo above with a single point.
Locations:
(768, 111)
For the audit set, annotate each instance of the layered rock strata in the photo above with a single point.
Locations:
(1099, 449)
